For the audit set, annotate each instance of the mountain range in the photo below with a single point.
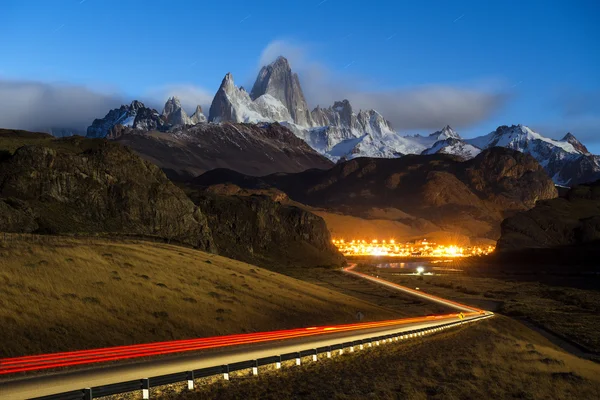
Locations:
(339, 132)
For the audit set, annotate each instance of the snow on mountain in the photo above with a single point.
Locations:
(126, 115)
(277, 80)
(454, 146)
(174, 113)
(233, 104)
(198, 116)
(570, 138)
(339, 132)
(271, 108)
(567, 161)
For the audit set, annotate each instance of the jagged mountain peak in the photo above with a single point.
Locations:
(277, 80)
(198, 116)
(135, 116)
(281, 61)
(174, 113)
(445, 133)
(570, 138)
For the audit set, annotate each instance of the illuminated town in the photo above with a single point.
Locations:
(421, 248)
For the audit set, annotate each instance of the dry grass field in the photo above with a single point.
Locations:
(495, 359)
(545, 300)
(69, 294)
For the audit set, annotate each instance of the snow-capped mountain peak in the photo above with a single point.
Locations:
(174, 113)
(446, 133)
(278, 80)
(521, 138)
(580, 147)
(567, 161)
(135, 115)
(198, 116)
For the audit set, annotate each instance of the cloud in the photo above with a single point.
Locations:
(423, 107)
(585, 128)
(38, 106)
(573, 102)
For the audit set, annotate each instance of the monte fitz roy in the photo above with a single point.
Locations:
(335, 133)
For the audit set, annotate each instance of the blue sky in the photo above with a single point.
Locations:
(473, 64)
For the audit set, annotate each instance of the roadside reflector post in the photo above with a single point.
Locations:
(360, 346)
(328, 351)
(145, 388)
(278, 363)
(315, 358)
(190, 380)
(87, 394)
(226, 372)
(341, 350)
(297, 358)
(255, 368)
(351, 349)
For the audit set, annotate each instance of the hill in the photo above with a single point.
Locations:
(83, 293)
(571, 220)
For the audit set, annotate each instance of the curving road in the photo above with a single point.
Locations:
(200, 353)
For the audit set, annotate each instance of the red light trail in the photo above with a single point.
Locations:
(93, 356)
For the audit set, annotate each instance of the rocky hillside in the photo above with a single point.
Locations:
(467, 197)
(566, 221)
(260, 230)
(76, 185)
(257, 150)
(89, 186)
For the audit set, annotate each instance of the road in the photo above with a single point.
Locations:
(199, 353)
(449, 303)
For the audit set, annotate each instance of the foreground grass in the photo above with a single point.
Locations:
(72, 294)
(569, 312)
(497, 359)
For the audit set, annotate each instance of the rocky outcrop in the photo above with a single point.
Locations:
(277, 80)
(571, 220)
(135, 116)
(174, 113)
(77, 185)
(264, 232)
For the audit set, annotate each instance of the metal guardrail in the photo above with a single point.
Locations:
(146, 383)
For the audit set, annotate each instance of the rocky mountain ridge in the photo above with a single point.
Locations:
(468, 197)
(340, 133)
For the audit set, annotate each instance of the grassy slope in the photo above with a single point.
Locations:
(568, 311)
(83, 293)
(496, 359)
